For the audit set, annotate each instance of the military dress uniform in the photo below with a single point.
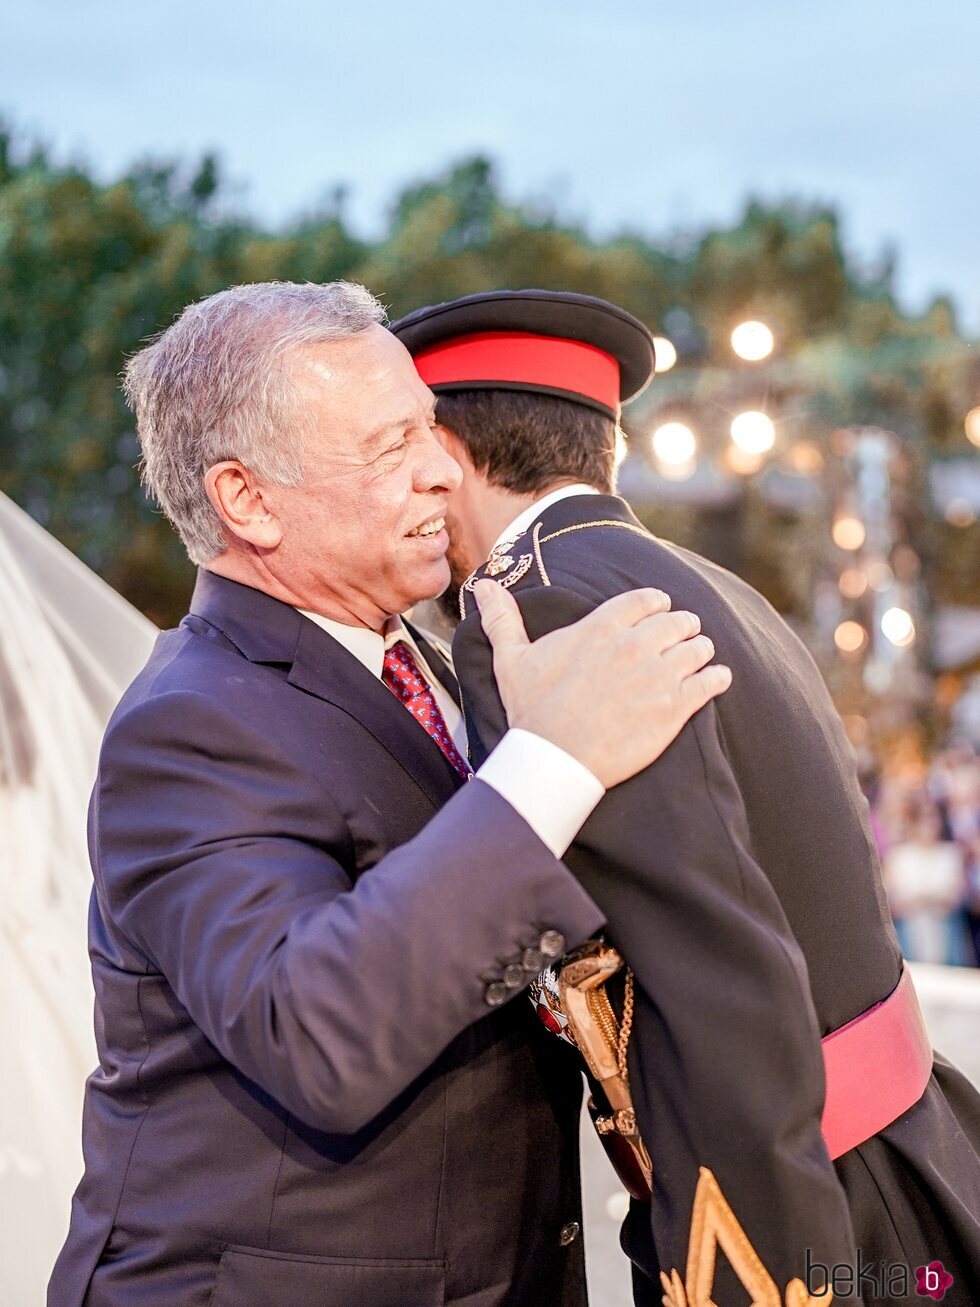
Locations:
(796, 1120)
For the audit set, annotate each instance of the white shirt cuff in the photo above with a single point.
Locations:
(552, 791)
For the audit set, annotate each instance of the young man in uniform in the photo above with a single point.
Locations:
(771, 1041)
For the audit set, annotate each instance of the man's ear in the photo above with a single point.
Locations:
(236, 497)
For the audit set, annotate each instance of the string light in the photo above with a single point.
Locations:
(897, 627)
(848, 533)
(664, 353)
(850, 637)
(674, 444)
(853, 583)
(753, 341)
(805, 458)
(753, 432)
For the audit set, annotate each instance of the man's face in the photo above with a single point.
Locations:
(374, 474)
(465, 553)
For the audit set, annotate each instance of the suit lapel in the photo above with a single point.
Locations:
(325, 668)
(265, 630)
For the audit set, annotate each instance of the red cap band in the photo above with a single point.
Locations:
(523, 359)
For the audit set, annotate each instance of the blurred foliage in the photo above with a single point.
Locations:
(89, 270)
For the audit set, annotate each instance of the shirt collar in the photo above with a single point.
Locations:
(530, 514)
(368, 647)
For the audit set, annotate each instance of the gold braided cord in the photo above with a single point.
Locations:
(626, 1026)
(536, 538)
(584, 526)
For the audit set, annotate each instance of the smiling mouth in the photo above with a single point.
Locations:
(430, 528)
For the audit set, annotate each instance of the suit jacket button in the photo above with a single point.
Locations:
(569, 1233)
(496, 994)
(532, 960)
(552, 944)
(514, 976)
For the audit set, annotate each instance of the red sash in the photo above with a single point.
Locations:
(877, 1067)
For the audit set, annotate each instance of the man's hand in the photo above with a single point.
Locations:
(613, 689)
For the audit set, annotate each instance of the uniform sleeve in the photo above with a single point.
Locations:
(725, 1060)
(332, 996)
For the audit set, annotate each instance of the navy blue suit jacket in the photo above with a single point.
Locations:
(298, 909)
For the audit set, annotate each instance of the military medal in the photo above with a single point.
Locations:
(498, 563)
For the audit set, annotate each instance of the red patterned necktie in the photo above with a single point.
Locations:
(404, 678)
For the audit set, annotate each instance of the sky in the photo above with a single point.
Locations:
(646, 116)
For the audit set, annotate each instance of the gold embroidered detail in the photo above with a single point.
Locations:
(522, 568)
(798, 1296)
(536, 538)
(500, 558)
(626, 1026)
(499, 563)
(674, 1295)
(714, 1225)
(468, 584)
(611, 521)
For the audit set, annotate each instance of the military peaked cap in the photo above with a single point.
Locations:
(551, 342)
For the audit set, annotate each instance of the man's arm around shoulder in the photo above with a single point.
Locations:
(333, 996)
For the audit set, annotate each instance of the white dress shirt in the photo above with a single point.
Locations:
(551, 790)
(530, 514)
(369, 648)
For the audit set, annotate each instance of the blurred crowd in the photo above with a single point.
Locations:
(927, 826)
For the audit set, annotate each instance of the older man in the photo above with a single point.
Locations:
(312, 1086)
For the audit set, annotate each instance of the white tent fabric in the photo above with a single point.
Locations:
(69, 645)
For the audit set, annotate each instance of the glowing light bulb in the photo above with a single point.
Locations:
(972, 425)
(848, 533)
(853, 583)
(753, 341)
(805, 458)
(850, 637)
(664, 353)
(897, 626)
(674, 444)
(753, 432)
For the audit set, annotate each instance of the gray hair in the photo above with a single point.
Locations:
(213, 387)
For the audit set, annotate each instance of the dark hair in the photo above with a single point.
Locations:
(524, 441)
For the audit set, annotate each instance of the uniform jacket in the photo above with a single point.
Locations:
(303, 1096)
(739, 879)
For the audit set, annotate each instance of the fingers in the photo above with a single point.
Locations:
(662, 631)
(500, 616)
(689, 656)
(630, 608)
(703, 686)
